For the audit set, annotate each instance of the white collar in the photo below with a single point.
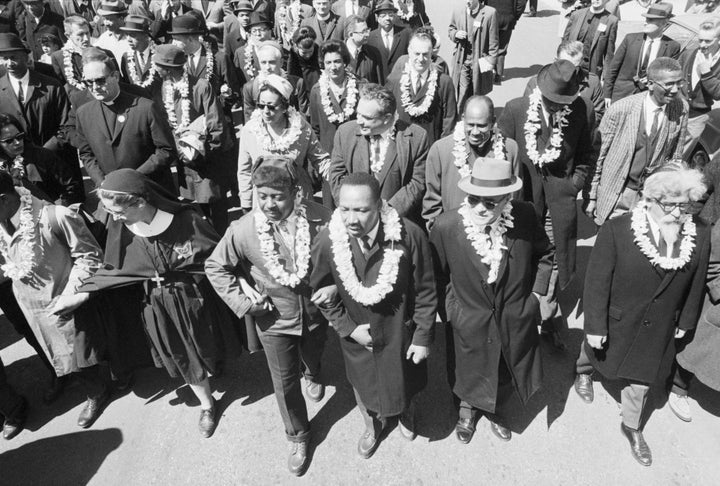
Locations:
(160, 222)
(372, 235)
(414, 76)
(655, 230)
(25, 80)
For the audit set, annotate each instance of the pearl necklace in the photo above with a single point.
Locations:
(532, 126)
(405, 97)
(640, 228)
(351, 99)
(169, 89)
(488, 247)
(342, 256)
(462, 154)
(135, 76)
(17, 270)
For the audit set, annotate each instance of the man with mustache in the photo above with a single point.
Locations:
(644, 287)
(639, 134)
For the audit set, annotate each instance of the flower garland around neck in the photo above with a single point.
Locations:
(342, 256)
(351, 98)
(639, 225)
(377, 164)
(405, 13)
(209, 63)
(271, 257)
(169, 89)
(281, 143)
(17, 170)
(249, 65)
(294, 9)
(135, 76)
(406, 97)
(17, 270)
(461, 153)
(68, 50)
(488, 247)
(532, 126)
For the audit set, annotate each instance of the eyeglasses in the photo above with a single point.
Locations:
(486, 202)
(363, 32)
(262, 106)
(670, 207)
(259, 30)
(97, 81)
(677, 84)
(17, 138)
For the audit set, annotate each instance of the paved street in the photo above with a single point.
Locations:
(149, 435)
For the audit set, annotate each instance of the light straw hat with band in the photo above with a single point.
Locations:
(489, 178)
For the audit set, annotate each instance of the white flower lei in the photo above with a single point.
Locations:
(488, 247)
(17, 169)
(209, 64)
(351, 91)
(282, 143)
(402, 13)
(68, 50)
(249, 64)
(421, 109)
(462, 154)
(342, 256)
(26, 245)
(639, 226)
(302, 248)
(132, 68)
(532, 126)
(169, 88)
(294, 9)
(377, 165)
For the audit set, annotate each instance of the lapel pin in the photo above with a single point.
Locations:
(121, 118)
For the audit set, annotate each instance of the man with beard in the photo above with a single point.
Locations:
(385, 318)
(639, 134)
(644, 288)
(494, 260)
(113, 39)
(450, 158)
(365, 60)
(426, 95)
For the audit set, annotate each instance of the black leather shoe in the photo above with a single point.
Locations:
(497, 80)
(57, 385)
(315, 391)
(12, 427)
(464, 430)
(530, 14)
(407, 429)
(207, 421)
(298, 459)
(502, 433)
(368, 443)
(638, 447)
(124, 383)
(92, 409)
(584, 387)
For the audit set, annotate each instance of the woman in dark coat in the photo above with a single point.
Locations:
(303, 60)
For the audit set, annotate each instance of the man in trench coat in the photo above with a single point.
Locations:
(492, 305)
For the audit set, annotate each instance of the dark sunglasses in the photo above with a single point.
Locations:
(262, 106)
(97, 81)
(17, 138)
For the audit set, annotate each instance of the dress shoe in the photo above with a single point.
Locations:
(407, 432)
(93, 408)
(314, 391)
(124, 383)
(639, 448)
(13, 426)
(57, 385)
(531, 14)
(497, 80)
(680, 406)
(368, 443)
(464, 430)
(298, 459)
(584, 387)
(502, 433)
(207, 422)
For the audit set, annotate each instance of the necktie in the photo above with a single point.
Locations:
(20, 95)
(375, 142)
(418, 84)
(192, 63)
(646, 58)
(388, 41)
(365, 244)
(655, 124)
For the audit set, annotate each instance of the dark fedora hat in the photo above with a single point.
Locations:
(11, 42)
(169, 55)
(243, 6)
(384, 6)
(257, 18)
(558, 82)
(659, 11)
(187, 24)
(136, 23)
(112, 8)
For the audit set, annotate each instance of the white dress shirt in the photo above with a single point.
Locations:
(371, 236)
(351, 7)
(387, 38)
(654, 45)
(655, 230)
(414, 78)
(650, 107)
(24, 81)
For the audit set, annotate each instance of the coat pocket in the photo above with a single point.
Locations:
(615, 312)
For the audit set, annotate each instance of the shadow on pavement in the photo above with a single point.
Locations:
(547, 13)
(8, 336)
(64, 459)
(706, 397)
(522, 72)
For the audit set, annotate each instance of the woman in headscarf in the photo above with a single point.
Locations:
(277, 129)
(155, 239)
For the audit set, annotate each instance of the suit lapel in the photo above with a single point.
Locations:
(9, 93)
(32, 83)
(390, 157)
(596, 36)
(121, 119)
(665, 129)
(474, 258)
(475, 28)
(361, 156)
(375, 251)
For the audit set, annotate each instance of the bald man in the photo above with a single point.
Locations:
(270, 59)
(477, 137)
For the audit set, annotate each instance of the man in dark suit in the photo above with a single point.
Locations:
(386, 327)
(491, 350)
(596, 28)
(427, 96)
(136, 65)
(391, 40)
(644, 287)
(36, 20)
(507, 12)
(393, 152)
(169, 9)
(365, 60)
(360, 8)
(627, 72)
(236, 27)
(119, 130)
(67, 62)
(553, 133)
(326, 24)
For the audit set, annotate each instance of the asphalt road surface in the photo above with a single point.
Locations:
(149, 435)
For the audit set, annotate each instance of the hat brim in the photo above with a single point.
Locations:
(167, 64)
(14, 49)
(186, 32)
(653, 16)
(468, 187)
(550, 94)
(387, 9)
(108, 13)
(134, 29)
